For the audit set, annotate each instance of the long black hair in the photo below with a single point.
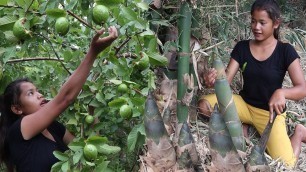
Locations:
(7, 117)
(273, 10)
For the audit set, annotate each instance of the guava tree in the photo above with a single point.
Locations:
(45, 41)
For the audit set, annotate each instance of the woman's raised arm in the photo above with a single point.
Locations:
(35, 123)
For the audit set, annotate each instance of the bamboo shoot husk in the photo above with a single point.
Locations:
(223, 152)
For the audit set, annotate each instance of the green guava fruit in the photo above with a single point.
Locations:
(144, 62)
(100, 14)
(126, 111)
(122, 88)
(89, 119)
(90, 152)
(62, 26)
(20, 30)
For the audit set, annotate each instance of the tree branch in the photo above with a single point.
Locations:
(14, 6)
(213, 46)
(33, 59)
(125, 55)
(29, 6)
(81, 20)
(120, 46)
(9, 6)
(57, 56)
(125, 42)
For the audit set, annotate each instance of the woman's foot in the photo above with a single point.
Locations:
(204, 108)
(297, 138)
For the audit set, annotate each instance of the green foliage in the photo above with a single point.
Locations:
(48, 58)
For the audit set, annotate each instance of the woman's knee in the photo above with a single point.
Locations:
(300, 131)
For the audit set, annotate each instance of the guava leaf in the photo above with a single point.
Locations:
(3, 2)
(117, 102)
(161, 22)
(10, 37)
(150, 42)
(129, 14)
(24, 4)
(100, 97)
(57, 166)
(130, 82)
(138, 101)
(7, 20)
(77, 156)
(135, 136)
(20, 3)
(107, 149)
(151, 82)
(102, 166)
(115, 81)
(72, 121)
(56, 13)
(144, 6)
(109, 3)
(36, 21)
(60, 155)
(65, 166)
(10, 52)
(76, 145)
(157, 59)
(97, 140)
(2, 51)
(71, 5)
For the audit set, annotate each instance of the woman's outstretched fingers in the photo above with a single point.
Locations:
(99, 43)
(113, 31)
(99, 33)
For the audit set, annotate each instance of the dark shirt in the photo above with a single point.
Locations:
(36, 154)
(262, 78)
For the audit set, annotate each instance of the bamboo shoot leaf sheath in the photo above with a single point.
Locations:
(227, 105)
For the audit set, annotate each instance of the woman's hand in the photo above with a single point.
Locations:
(99, 44)
(277, 103)
(210, 77)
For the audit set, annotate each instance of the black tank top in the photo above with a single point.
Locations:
(36, 154)
(262, 78)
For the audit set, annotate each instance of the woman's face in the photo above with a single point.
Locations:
(262, 25)
(30, 99)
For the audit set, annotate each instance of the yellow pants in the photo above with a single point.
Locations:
(278, 145)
